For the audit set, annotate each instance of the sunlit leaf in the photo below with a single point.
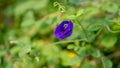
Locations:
(70, 46)
(79, 12)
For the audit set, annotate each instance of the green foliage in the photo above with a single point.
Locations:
(107, 63)
(27, 40)
(87, 65)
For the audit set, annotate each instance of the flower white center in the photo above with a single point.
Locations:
(65, 26)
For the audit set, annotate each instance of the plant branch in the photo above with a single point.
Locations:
(83, 30)
(60, 42)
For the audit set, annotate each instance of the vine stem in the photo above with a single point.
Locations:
(83, 29)
(103, 62)
(112, 31)
(60, 42)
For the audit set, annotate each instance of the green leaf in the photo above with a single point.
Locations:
(50, 53)
(40, 4)
(108, 40)
(115, 27)
(74, 1)
(79, 12)
(15, 49)
(7, 64)
(24, 50)
(82, 51)
(2, 52)
(70, 46)
(74, 60)
(87, 64)
(64, 57)
(22, 7)
(112, 8)
(67, 59)
(106, 63)
(95, 53)
(71, 17)
(94, 27)
(28, 20)
(76, 48)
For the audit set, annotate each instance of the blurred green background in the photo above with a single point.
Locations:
(27, 39)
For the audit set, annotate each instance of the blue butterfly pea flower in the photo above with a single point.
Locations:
(63, 30)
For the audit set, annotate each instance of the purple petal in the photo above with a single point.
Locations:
(63, 30)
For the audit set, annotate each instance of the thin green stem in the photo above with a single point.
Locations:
(83, 29)
(68, 41)
(108, 28)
